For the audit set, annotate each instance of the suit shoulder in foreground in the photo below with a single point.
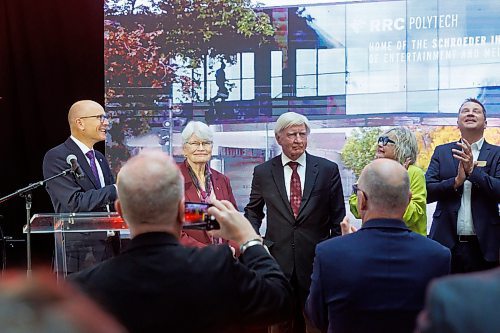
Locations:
(463, 303)
(183, 284)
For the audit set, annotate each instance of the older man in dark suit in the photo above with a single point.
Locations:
(464, 178)
(305, 204)
(374, 280)
(158, 285)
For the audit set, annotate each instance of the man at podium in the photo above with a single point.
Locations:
(90, 188)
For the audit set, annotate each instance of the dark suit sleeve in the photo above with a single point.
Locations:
(69, 194)
(439, 188)
(337, 207)
(316, 309)
(489, 184)
(265, 295)
(254, 210)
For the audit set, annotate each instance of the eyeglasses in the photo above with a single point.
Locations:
(355, 189)
(384, 140)
(102, 117)
(204, 144)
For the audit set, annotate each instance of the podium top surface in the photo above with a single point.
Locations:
(76, 222)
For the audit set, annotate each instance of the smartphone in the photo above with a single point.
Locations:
(196, 217)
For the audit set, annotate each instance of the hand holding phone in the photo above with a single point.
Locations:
(233, 225)
(196, 217)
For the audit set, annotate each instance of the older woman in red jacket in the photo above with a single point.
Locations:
(201, 183)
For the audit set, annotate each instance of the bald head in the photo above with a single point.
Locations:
(386, 188)
(150, 191)
(83, 108)
(87, 122)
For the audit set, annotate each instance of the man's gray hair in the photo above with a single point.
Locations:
(406, 144)
(387, 186)
(288, 119)
(150, 187)
(201, 130)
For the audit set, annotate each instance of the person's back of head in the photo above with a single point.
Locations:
(151, 193)
(384, 190)
(42, 304)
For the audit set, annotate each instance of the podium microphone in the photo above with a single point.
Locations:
(75, 167)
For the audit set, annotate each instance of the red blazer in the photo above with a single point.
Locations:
(222, 190)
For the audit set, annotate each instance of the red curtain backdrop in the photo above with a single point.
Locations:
(51, 55)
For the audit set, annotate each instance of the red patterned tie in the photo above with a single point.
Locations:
(295, 189)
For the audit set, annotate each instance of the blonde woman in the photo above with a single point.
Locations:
(400, 144)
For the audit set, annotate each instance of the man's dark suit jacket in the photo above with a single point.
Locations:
(71, 195)
(373, 280)
(158, 285)
(463, 303)
(292, 241)
(485, 197)
(223, 191)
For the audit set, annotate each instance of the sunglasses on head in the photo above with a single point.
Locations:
(384, 140)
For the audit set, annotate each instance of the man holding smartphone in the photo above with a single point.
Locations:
(171, 281)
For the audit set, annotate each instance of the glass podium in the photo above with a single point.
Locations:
(77, 237)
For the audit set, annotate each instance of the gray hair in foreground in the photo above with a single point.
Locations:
(201, 130)
(150, 187)
(406, 144)
(288, 119)
(386, 184)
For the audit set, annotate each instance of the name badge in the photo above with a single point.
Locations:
(481, 163)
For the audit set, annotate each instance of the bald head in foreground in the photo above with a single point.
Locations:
(387, 186)
(151, 192)
(378, 273)
(171, 281)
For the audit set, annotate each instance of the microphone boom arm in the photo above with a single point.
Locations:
(33, 186)
(25, 192)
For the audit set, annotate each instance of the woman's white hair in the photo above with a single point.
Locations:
(288, 119)
(406, 144)
(201, 130)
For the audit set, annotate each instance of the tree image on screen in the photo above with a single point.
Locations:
(142, 40)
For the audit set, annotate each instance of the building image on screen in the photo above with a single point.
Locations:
(353, 68)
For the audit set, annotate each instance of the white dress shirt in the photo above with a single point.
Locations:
(84, 150)
(465, 226)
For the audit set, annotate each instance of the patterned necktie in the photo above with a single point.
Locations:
(91, 156)
(295, 189)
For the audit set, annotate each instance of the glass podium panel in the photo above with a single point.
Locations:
(80, 239)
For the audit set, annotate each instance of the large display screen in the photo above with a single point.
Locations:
(351, 67)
